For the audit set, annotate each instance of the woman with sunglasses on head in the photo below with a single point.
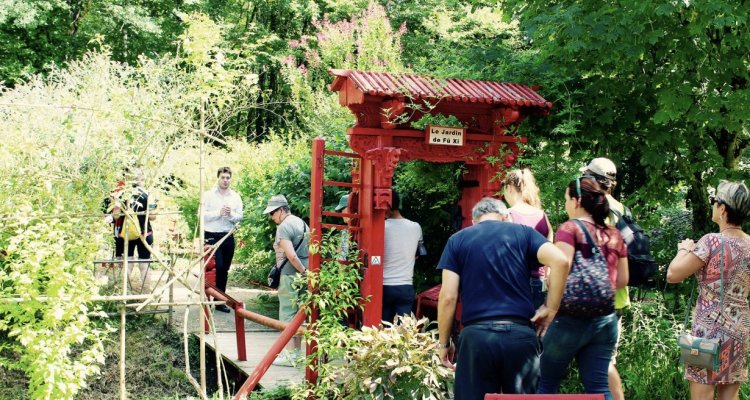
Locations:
(722, 310)
(585, 331)
(522, 194)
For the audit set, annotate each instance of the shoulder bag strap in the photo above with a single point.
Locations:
(592, 244)
(721, 280)
(302, 239)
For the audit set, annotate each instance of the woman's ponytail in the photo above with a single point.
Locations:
(593, 198)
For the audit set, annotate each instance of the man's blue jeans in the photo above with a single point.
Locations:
(496, 357)
(589, 341)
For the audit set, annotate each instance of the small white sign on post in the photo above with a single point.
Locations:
(375, 260)
(445, 135)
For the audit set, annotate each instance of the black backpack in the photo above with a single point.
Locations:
(641, 265)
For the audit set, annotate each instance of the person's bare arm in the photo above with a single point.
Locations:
(446, 314)
(684, 263)
(623, 273)
(558, 263)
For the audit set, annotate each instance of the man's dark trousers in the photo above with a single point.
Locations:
(223, 256)
(497, 356)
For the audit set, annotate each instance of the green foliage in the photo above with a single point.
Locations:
(51, 338)
(428, 194)
(44, 32)
(397, 361)
(277, 166)
(63, 162)
(188, 201)
(672, 225)
(67, 137)
(648, 101)
(648, 358)
(274, 167)
(278, 393)
(436, 120)
(365, 42)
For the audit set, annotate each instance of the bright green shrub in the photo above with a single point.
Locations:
(399, 361)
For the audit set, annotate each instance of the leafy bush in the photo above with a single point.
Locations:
(398, 361)
(436, 120)
(278, 166)
(671, 225)
(649, 355)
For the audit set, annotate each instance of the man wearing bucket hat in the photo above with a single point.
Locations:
(605, 172)
(291, 247)
(222, 211)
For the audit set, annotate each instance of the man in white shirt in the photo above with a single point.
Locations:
(222, 211)
(402, 237)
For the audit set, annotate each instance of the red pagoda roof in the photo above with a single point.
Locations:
(424, 87)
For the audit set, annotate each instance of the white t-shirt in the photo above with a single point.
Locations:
(402, 237)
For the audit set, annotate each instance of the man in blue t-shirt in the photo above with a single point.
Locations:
(490, 265)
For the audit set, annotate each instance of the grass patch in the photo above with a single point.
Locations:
(266, 304)
(154, 363)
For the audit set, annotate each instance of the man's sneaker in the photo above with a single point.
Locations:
(223, 308)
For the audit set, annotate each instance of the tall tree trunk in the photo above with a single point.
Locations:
(698, 202)
(274, 90)
(259, 129)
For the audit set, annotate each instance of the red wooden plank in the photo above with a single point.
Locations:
(598, 396)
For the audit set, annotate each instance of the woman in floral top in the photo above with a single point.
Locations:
(728, 320)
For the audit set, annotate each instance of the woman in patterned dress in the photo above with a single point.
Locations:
(730, 322)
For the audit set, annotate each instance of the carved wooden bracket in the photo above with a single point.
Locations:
(382, 199)
(384, 161)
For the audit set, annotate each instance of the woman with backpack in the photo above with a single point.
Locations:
(585, 328)
(721, 264)
(522, 194)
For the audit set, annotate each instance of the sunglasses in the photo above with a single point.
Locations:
(712, 199)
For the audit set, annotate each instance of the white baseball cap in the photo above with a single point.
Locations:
(601, 166)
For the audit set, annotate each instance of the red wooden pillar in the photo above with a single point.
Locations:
(316, 235)
(372, 222)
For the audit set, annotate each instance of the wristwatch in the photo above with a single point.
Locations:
(447, 345)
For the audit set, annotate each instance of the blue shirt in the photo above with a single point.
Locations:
(494, 260)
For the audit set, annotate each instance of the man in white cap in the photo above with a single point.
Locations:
(222, 211)
(291, 247)
(605, 172)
